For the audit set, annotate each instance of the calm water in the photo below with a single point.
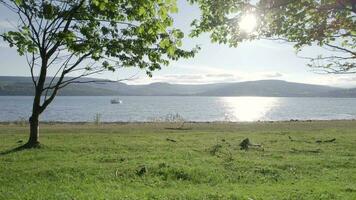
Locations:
(190, 108)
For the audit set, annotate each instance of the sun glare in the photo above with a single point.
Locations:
(248, 23)
(248, 108)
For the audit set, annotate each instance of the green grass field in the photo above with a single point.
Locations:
(136, 161)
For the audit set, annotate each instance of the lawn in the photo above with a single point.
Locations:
(200, 161)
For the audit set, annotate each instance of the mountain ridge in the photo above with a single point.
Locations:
(22, 86)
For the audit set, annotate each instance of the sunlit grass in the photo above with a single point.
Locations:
(136, 161)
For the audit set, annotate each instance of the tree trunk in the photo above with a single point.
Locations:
(33, 140)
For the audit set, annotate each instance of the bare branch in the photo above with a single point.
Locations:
(31, 63)
(342, 49)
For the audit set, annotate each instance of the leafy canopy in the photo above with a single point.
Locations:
(327, 23)
(118, 33)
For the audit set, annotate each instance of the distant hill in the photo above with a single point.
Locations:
(23, 86)
(271, 88)
(346, 93)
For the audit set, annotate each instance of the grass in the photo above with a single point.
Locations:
(203, 161)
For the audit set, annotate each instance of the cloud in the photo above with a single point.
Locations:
(199, 74)
(273, 75)
(4, 44)
(348, 79)
(335, 80)
(220, 75)
(184, 76)
(202, 69)
(274, 45)
(7, 24)
(173, 78)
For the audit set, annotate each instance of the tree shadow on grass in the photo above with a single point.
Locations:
(20, 148)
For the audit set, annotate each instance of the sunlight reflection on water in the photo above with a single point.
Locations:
(200, 109)
(248, 108)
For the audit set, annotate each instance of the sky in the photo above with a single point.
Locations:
(215, 63)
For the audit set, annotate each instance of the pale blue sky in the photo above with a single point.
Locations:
(214, 63)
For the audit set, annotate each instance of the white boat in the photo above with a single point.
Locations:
(116, 101)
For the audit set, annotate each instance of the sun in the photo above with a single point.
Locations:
(248, 23)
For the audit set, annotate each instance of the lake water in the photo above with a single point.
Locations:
(133, 108)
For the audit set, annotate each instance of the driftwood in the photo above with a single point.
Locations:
(246, 144)
(326, 141)
(170, 140)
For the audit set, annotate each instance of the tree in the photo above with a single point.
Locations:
(78, 38)
(330, 24)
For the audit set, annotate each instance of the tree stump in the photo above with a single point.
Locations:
(244, 145)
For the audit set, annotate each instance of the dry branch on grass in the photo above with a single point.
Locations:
(318, 141)
(293, 150)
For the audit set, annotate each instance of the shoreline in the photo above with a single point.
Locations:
(185, 122)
